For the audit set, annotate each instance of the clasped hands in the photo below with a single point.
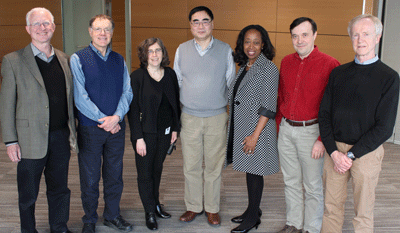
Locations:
(341, 162)
(110, 124)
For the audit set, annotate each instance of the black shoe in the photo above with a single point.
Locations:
(244, 230)
(89, 228)
(160, 212)
(239, 219)
(67, 231)
(118, 223)
(151, 221)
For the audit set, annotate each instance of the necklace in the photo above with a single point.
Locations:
(248, 64)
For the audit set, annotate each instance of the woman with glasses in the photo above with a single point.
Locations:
(154, 122)
(252, 142)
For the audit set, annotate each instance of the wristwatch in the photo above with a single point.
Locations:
(351, 155)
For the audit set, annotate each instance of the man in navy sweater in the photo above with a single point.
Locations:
(102, 95)
(357, 115)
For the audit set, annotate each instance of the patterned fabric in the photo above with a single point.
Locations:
(257, 93)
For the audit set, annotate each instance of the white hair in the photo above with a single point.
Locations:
(36, 9)
(375, 20)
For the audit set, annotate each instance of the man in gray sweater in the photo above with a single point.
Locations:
(205, 69)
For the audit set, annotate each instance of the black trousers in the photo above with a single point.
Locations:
(149, 168)
(55, 168)
(100, 154)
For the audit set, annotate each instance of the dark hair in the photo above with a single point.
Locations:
(301, 20)
(201, 8)
(143, 52)
(101, 16)
(268, 49)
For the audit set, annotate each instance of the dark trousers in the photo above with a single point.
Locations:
(55, 168)
(100, 152)
(149, 168)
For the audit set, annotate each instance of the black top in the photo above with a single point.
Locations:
(54, 81)
(144, 113)
(359, 107)
(165, 111)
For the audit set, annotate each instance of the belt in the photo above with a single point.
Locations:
(301, 123)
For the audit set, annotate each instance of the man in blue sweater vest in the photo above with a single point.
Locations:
(205, 68)
(102, 95)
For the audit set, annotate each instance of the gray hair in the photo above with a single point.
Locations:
(375, 20)
(28, 15)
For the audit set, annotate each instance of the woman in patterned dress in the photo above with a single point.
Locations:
(252, 137)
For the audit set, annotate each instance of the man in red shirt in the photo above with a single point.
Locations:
(303, 78)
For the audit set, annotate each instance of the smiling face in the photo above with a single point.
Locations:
(303, 39)
(101, 32)
(201, 26)
(41, 28)
(364, 39)
(154, 55)
(252, 45)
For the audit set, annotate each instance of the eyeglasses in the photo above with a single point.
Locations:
(157, 51)
(99, 30)
(204, 23)
(45, 24)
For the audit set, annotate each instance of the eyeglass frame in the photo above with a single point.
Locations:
(46, 24)
(100, 30)
(205, 23)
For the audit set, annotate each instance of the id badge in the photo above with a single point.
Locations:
(167, 130)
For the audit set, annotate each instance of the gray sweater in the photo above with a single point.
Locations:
(203, 91)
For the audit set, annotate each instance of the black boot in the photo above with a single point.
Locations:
(151, 221)
(160, 212)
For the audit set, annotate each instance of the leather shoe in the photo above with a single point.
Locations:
(160, 212)
(151, 221)
(239, 219)
(189, 216)
(213, 219)
(244, 230)
(119, 223)
(89, 228)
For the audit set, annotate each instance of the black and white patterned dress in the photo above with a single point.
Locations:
(257, 94)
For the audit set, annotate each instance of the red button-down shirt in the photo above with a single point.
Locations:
(302, 84)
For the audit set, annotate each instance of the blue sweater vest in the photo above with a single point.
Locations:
(103, 81)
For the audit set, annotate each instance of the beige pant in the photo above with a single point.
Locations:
(203, 138)
(364, 173)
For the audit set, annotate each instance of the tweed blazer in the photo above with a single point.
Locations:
(24, 104)
(256, 95)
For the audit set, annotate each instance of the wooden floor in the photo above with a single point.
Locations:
(233, 198)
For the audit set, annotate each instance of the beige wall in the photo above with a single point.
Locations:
(168, 19)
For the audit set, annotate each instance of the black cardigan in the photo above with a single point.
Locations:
(142, 115)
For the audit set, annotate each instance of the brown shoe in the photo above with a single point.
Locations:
(290, 229)
(213, 219)
(189, 216)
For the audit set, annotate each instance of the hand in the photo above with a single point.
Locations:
(318, 150)
(141, 147)
(174, 136)
(115, 129)
(109, 122)
(341, 161)
(14, 153)
(249, 143)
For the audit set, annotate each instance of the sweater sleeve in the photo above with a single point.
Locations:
(325, 117)
(134, 111)
(385, 118)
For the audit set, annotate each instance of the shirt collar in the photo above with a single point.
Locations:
(198, 47)
(37, 52)
(367, 62)
(108, 51)
(311, 55)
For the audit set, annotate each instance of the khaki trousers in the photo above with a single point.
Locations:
(304, 210)
(364, 173)
(203, 138)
